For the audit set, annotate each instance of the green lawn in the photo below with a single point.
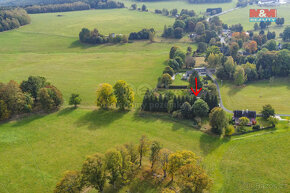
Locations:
(180, 4)
(119, 21)
(34, 152)
(254, 95)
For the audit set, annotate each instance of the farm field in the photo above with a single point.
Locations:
(254, 95)
(242, 16)
(41, 148)
(35, 151)
(181, 4)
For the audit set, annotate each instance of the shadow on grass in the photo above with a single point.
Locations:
(28, 119)
(209, 143)
(66, 111)
(100, 118)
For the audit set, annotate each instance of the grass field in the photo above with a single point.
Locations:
(242, 16)
(35, 151)
(181, 4)
(254, 95)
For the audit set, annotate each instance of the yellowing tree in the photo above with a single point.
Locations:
(124, 94)
(70, 183)
(105, 96)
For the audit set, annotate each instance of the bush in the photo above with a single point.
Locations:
(50, 98)
(177, 114)
(230, 130)
(256, 127)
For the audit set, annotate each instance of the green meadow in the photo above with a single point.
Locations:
(254, 95)
(35, 151)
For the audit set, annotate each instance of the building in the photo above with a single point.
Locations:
(251, 115)
(201, 72)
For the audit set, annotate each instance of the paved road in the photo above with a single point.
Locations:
(220, 96)
(224, 12)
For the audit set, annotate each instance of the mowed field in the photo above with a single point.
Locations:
(35, 151)
(254, 96)
(180, 4)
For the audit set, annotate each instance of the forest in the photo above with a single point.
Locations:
(14, 18)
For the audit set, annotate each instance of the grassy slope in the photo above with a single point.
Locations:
(254, 95)
(36, 151)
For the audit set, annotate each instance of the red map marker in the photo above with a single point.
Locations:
(197, 91)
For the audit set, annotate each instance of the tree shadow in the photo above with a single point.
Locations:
(66, 111)
(28, 119)
(100, 118)
(209, 143)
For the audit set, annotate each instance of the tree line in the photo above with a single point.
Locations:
(127, 165)
(75, 6)
(13, 18)
(32, 95)
(94, 37)
(208, 1)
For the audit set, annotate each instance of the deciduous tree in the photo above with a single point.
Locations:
(105, 96)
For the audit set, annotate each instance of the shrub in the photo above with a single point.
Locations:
(230, 130)
(177, 114)
(256, 127)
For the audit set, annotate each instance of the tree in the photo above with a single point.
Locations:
(144, 7)
(200, 28)
(134, 6)
(70, 183)
(234, 48)
(186, 110)
(263, 25)
(200, 108)
(286, 34)
(50, 98)
(256, 26)
(143, 148)
(33, 84)
(178, 32)
(124, 94)
(267, 111)
(163, 160)
(229, 130)
(201, 47)
(239, 76)
(189, 61)
(179, 23)
(13, 97)
(154, 154)
(151, 36)
(168, 70)
(165, 80)
(273, 120)
(105, 96)
(4, 113)
(94, 171)
(75, 100)
(192, 80)
(178, 159)
(271, 45)
(243, 121)
(113, 165)
(172, 51)
(251, 47)
(218, 120)
(192, 178)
